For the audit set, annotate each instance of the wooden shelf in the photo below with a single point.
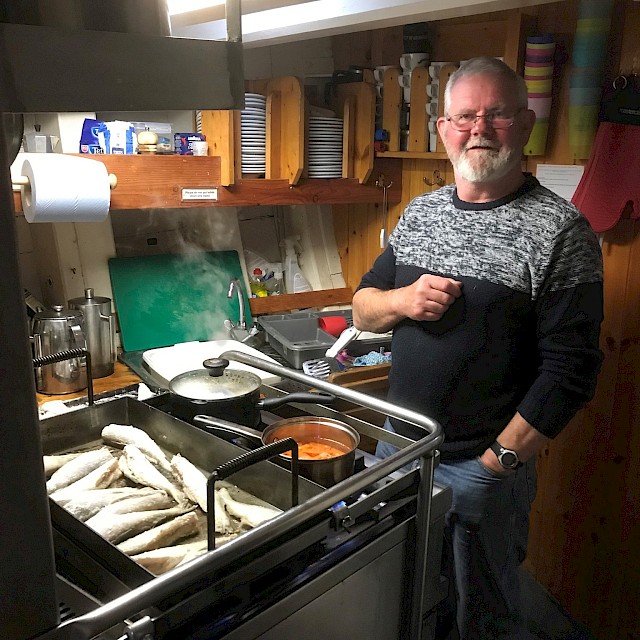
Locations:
(179, 182)
(157, 182)
(293, 301)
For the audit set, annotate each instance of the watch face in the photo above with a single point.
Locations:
(508, 459)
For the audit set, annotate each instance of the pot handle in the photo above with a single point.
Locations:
(298, 396)
(244, 461)
(213, 424)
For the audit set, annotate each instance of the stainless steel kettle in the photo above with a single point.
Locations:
(56, 330)
(99, 330)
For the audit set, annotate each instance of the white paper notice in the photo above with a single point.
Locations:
(562, 179)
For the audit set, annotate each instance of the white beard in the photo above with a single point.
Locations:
(484, 166)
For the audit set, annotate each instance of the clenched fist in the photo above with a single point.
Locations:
(429, 297)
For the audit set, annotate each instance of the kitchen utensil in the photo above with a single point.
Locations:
(334, 325)
(99, 329)
(347, 336)
(228, 393)
(318, 368)
(304, 430)
(381, 183)
(53, 331)
(168, 299)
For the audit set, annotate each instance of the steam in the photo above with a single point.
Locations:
(189, 233)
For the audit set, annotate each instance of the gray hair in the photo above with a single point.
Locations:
(489, 66)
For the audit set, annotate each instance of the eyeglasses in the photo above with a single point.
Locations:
(495, 119)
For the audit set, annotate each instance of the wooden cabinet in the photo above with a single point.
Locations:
(286, 140)
(502, 34)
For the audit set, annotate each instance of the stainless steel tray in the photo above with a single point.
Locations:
(78, 545)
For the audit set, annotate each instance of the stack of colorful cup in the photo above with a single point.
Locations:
(538, 74)
(585, 84)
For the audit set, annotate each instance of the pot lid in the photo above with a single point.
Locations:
(214, 382)
(58, 312)
(89, 300)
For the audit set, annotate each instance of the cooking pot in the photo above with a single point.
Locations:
(230, 394)
(54, 331)
(305, 430)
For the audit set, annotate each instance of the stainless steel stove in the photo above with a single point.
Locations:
(359, 559)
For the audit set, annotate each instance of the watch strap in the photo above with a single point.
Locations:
(503, 454)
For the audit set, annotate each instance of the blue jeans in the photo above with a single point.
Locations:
(486, 533)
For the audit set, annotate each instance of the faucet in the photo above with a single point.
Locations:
(236, 287)
(252, 337)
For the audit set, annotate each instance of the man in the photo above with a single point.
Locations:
(493, 288)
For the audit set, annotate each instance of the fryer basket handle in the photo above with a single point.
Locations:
(243, 461)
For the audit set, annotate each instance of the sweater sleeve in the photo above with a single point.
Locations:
(569, 356)
(382, 274)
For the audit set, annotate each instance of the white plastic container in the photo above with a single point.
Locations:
(294, 280)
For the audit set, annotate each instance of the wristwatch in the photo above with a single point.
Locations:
(508, 458)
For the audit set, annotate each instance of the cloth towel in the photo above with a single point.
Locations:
(610, 179)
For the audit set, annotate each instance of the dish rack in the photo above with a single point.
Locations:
(298, 338)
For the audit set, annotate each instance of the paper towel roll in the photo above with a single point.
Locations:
(65, 189)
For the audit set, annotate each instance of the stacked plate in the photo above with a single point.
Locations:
(253, 135)
(325, 147)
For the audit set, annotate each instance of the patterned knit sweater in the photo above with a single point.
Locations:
(524, 334)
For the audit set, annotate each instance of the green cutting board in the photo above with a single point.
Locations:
(166, 299)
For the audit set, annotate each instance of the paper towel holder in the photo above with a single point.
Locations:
(23, 181)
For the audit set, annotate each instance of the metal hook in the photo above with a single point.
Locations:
(436, 180)
(380, 182)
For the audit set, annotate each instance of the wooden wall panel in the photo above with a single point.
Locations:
(585, 522)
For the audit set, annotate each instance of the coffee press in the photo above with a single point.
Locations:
(99, 330)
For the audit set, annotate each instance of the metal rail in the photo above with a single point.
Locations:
(433, 431)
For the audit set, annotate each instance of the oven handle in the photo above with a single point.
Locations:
(243, 461)
(432, 428)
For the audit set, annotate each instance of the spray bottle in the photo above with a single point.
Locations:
(294, 280)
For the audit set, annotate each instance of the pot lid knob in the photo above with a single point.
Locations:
(215, 366)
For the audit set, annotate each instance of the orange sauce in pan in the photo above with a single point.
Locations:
(317, 450)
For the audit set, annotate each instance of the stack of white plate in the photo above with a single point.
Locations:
(253, 134)
(325, 147)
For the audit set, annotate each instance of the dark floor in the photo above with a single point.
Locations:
(547, 620)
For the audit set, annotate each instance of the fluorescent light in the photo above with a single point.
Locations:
(185, 6)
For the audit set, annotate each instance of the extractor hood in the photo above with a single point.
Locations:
(89, 55)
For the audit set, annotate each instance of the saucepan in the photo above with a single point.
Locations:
(231, 394)
(326, 447)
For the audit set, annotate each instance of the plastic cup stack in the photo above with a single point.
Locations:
(585, 84)
(538, 74)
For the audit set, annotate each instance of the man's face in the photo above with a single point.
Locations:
(484, 153)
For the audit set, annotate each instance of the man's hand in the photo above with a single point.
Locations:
(429, 297)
